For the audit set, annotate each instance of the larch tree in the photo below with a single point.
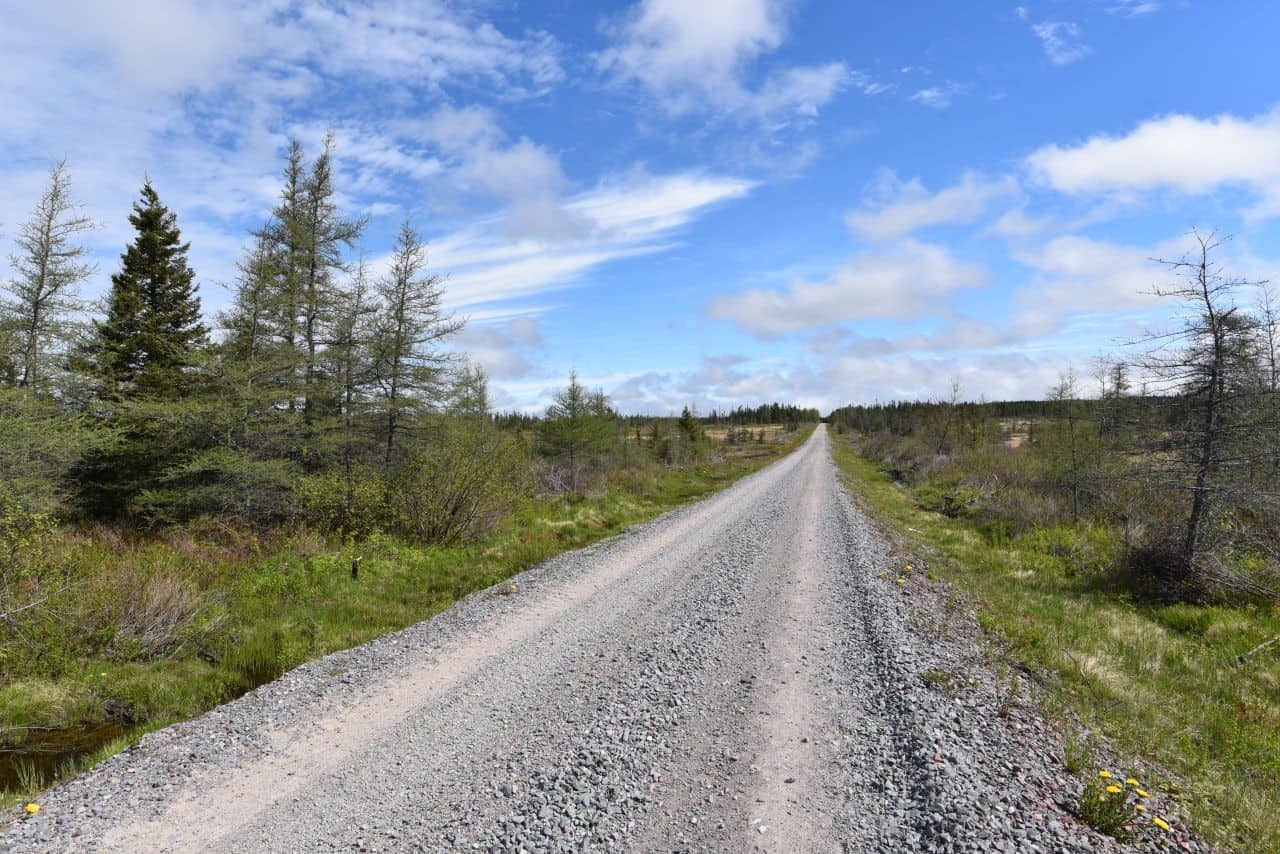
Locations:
(325, 235)
(49, 265)
(409, 364)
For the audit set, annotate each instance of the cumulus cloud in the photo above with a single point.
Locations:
(1177, 152)
(895, 207)
(1076, 274)
(700, 56)
(907, 282)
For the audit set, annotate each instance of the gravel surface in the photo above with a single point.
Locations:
(742, 674)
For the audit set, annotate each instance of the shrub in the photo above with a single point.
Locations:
(350, 503)
(459, 483)
(31, 575)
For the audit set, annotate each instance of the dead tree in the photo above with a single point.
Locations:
(1213, 408)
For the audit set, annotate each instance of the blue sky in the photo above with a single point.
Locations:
(719, 202)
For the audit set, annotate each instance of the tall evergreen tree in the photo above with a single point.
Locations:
(152, 330)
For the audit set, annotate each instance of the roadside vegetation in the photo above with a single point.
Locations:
(188, 510)
(1123, 546)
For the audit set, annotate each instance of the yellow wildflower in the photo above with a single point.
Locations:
(1104, 774)
(1141, 793)
(32, 809)
(902, 581)
(1140, 807)
(1160, 823)
(1133, 782)
(1114, 789)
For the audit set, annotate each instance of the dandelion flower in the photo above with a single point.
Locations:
(902, 581)
(1160, 823)
(1114, 789)
(1141, 793)
(1140, 807)
(1104, 774)
(32, 809)
(1133, 782)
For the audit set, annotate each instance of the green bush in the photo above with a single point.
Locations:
(459, 482)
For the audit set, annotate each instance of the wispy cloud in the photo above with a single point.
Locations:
(938, 97)
(1061, 41)
(637, 215)
(1132, 8)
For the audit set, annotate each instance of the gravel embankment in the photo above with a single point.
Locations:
(743, 674)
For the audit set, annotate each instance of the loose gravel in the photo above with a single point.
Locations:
(742, 674)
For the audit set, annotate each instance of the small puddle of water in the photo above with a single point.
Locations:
(39, 759)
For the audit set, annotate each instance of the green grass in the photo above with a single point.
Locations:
(1160, 682)
(262, 611)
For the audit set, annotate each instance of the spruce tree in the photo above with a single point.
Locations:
(153, 330)
(144, 355)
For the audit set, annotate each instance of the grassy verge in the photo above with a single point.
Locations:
(264, 611)
(1162, 683)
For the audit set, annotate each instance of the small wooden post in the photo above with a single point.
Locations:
(355, 567)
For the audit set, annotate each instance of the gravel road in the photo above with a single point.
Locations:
(744, 674)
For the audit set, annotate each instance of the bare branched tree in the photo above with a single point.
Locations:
(1215, 411)
(950, 416)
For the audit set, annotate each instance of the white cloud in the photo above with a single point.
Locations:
(962, 333)
(897, 207)
(938, 97)
(999, 376)
(1076, 274)
(499, 348)
(634, 216)
(1061, 40)
(908, 282)
(520, 170)
(832, 382)
(699, 56)
(1178, 152)
(1015, 223)
(151, 45)
(1133, 8)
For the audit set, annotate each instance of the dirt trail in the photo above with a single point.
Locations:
(734, 676)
